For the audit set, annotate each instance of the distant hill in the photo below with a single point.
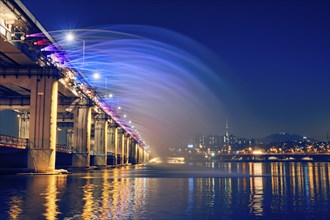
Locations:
(282, 137)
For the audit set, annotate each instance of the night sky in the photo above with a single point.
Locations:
(276, 53)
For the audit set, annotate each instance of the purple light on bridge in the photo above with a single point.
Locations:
(35, 35)
(50, 48)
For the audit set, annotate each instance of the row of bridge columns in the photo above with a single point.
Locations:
(40, 127)
(110, 142)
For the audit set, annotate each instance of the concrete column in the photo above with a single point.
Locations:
(69, 135)
(147, 158)
(43, 124)
(111, 145)
(123, 156)
(128, 141)
(82, 137)
(100, 141)
(116, 141)
(24, 125)
(137, 153)
(143, 155)
(140, 154)
(119, 146)
(132, 151)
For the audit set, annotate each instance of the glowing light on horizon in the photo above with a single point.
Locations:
(257, 152)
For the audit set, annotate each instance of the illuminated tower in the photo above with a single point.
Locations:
(226, 137)
(227, 129)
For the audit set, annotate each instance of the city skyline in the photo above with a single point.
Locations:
(271, 61)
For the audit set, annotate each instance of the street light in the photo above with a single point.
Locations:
(96, 75)
(70, 37)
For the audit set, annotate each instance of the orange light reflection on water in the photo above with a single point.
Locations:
(256, 189)
(15, 208)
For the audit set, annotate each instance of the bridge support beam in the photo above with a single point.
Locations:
(43, 124)
(100, 141)
(82, 137)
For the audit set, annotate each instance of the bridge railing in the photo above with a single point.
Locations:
(63, 148)
(23, 143)
(13, 142)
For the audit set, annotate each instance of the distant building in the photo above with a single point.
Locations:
(226, 140)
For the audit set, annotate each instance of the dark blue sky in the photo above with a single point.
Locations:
(276, 52)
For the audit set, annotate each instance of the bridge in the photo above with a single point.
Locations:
(48, 95)
(262, 157)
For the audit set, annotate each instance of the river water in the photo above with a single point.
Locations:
(242, 190)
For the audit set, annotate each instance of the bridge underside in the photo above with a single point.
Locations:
(50, 101)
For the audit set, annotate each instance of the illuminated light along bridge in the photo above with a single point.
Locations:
(48, 96)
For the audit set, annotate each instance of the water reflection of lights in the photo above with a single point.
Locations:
(306, 181)
(172, 160)
(51, 197)
(190, 196)
(324, 180)
(121, 193)
(127, 196)
(256, 189)
(105, 195)
(15, 208)
(88, 199)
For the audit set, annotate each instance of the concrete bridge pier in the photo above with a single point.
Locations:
(116, 141)
(111, 146)
(69, 136)
(127, 148)
(137, 153)
(43, 123)
(123, 150)
(132, 151)
(142, 155)
(82, 137)
(119, 146)
(23, 124)
(148, 157)
(100, 141)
